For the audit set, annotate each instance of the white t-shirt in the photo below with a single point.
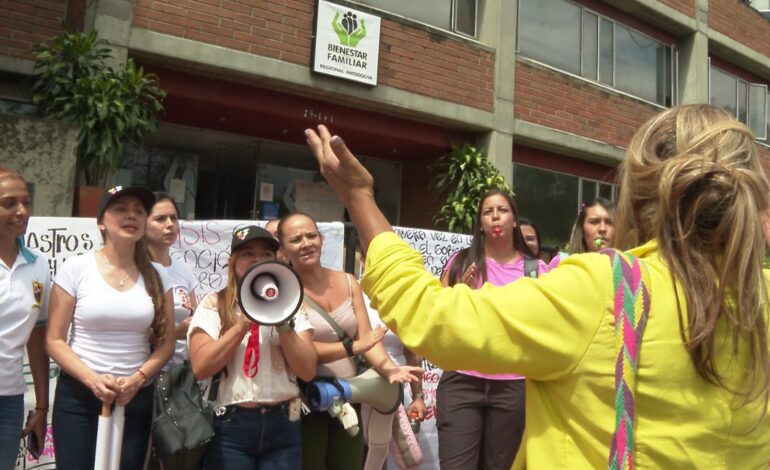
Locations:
(392, 343)
(274, 381)
(110, 329)
(24, 290)
(181, 281)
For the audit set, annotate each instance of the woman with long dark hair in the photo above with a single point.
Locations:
(161, 233)
(121, 334)
(657, 356)
(480, 417)
(594, 227)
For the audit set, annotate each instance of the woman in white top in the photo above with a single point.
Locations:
(163, 231)
(26, 281)
(121, 334)
(259, 367)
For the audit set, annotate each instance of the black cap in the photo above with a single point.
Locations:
(140, 192)
(251, 232)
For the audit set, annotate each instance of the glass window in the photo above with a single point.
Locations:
(588, 191)
(465, 17)
(576, 40)
(638, 61)
(590, 45)
(607, 41)
(434, 12)
(723, 91)
(607, 191)
(743, 101)
(746, 101)
(549, 31)
(757, 119)
(549, 199)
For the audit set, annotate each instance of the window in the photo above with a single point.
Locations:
(552, 200)
(452, 15)
(746, 101)
(574, 39)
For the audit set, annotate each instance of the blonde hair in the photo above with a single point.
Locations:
(10, 174)
(227, 298)
(692, 180)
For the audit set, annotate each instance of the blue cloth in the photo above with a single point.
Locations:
(75, 421)
(255, 439)
(11, 424)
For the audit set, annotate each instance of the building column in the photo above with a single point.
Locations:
(112, 20)
(499, 29)
(693, 60)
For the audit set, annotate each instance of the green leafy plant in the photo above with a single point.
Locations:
(111, 107)
(463, 176)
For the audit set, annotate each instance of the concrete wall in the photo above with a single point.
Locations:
(44, 153)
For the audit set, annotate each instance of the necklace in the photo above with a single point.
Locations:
(122, 281)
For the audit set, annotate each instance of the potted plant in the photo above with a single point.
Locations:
(111, 107)
(464, 175)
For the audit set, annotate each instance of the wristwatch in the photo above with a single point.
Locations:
(285, 327)
(417, 395)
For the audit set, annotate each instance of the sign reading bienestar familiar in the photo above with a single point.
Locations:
(347, 43)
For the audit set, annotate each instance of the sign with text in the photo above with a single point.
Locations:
(347, 43)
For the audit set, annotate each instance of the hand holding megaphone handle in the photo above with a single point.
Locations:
(285, 327)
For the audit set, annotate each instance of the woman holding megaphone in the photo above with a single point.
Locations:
(325, 443)
(257, 407)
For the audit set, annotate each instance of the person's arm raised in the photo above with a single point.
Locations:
(351, 181)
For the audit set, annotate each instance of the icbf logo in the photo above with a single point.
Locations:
(349, 30)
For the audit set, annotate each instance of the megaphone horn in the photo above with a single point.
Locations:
(369, 388)
(270, 292)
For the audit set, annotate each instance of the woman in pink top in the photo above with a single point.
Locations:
(480, 417)
(325, 444)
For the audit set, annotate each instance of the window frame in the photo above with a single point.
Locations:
(674, 88)
(384, 6)
(738, 80)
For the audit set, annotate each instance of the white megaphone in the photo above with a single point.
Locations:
(370, 388)
(270, 293)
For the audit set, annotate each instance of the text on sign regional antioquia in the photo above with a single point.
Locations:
(346, 55)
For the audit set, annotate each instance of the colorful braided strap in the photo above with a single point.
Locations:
(632, 305)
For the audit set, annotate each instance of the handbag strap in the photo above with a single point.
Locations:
(632, 307)
(347, 341)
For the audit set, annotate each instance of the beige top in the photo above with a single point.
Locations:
(274, 381)
(345, 316)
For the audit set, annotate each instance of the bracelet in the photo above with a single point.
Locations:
(41, 408)
(417, 395)
(141, 372)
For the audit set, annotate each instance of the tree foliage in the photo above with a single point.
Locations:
(111, 107)
(463, 176)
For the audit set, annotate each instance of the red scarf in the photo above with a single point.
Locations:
(251, 358)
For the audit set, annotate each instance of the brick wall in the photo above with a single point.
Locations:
(741, 23)
(684, 6)
(410, 59)
(24, 23)
(558, 101)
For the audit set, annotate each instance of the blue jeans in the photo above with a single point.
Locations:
(75, 421)
(254, 439)
(11, 424)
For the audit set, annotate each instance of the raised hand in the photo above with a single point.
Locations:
(339, 167)
(369, 340)
(402, 374)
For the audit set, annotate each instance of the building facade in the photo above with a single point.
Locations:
(551, 89)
